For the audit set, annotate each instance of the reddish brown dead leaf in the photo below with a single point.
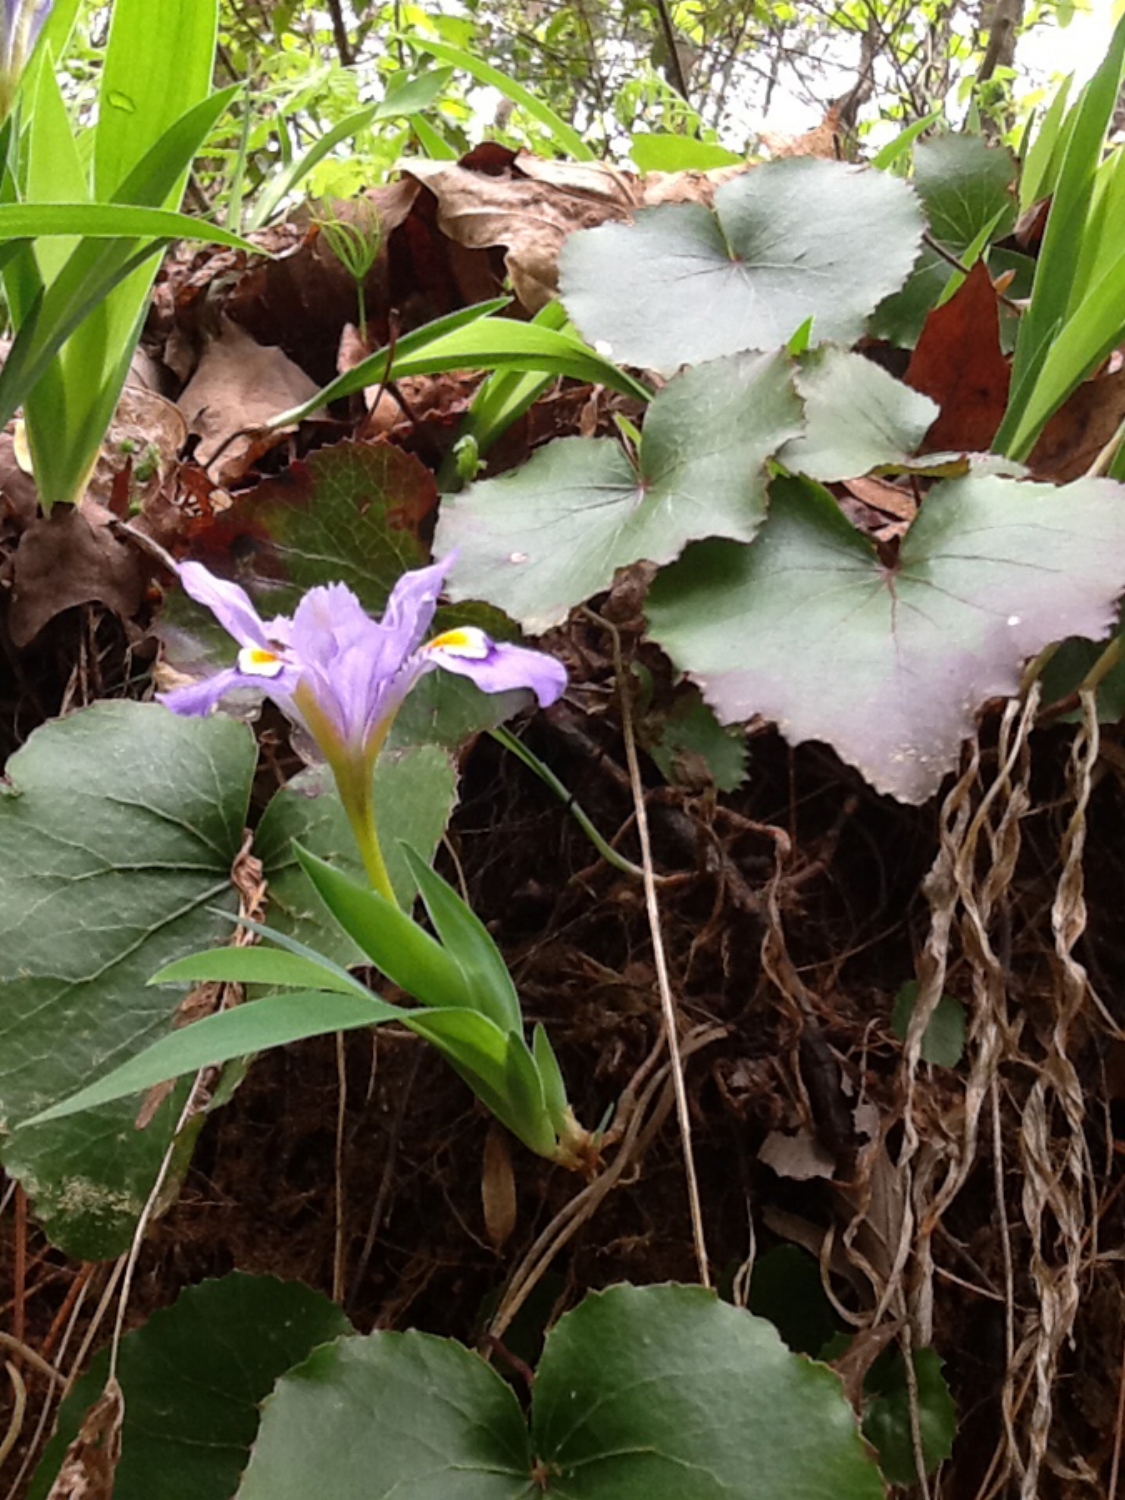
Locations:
(530, 205)
(68, 558)
(958, 363)
(239, 384)
(1077, 433)
(498, 1187)
(89, 1469)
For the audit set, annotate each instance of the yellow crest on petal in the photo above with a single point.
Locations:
(465, 640)
(256, 661)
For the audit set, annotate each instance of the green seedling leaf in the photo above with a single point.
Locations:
(409, 96)
(661, 151)
(791, 240)
(943, 1041)
(151, 74)
(254, 1027)
(397, 946)
(640, 1393)
(276, 191)
(551, 1079)
(542, 539)
(193, 1378)
(497, 1067)
(889, 664)
(895, 150)
(565, 136)
(692, 748)
(886, 1421)
(467, 941)
(858, 418)
(372, 370)
(965, 186)
(110, 221)
(415, 790)
(258, 966)
(118, 830)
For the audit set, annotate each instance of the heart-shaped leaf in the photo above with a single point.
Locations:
(889, 664)
(117, 834)
(545, 537)
(791, 240)
(193, 1378)
(642, 1392)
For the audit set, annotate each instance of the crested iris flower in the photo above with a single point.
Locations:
(21, 21)
(342, 675)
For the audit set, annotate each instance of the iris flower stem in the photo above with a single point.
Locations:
(353, 770)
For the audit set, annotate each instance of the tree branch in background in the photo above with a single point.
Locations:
(675, 68)
(340, 32)
(1004, 25)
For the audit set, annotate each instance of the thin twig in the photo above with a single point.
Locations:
(667, 1003)
(19, 1406)
(341, 1119)
(25, 1351)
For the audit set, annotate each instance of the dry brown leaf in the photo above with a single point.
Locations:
(145, 437)
(70, 557)
(498, 1187)
(799, 1157)
(822, 140)
(530, 209)
(239, 384)
(89, 1469)
(1076, 434)
(959, 364)
(530, 205)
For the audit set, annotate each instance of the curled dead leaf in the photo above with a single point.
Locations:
(89, 1470)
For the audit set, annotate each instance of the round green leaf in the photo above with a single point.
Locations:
(788, 241)
(857, 418)
(545, 537)
(391, 1415)
(118, 830)
(889, 664)
(648, 1392)
(943, 1041)
(193, 1377)
(886, 1421)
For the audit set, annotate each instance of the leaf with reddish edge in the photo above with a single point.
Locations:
(347, 514)
(890, 664)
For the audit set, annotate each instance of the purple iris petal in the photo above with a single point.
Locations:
(21, 21)
(506, 667)
(227, 602)
(343, 675)
(202, 697)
